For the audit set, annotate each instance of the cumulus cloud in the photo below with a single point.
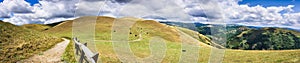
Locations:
(155, 9)
(4, 12)
(20, 12)
(16, 6)
(170, 10)
(291, 19)
(92, 8)
(258, 15)
(229, 11)
(63, 8)
(202, 8)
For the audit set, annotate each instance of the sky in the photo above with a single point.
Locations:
(268, 3)
(279, 13)
(32, 2)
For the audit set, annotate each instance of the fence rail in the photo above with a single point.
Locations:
(84, 52)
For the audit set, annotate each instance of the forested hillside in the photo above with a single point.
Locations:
(247, 37)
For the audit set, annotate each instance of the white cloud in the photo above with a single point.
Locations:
(4, 12)
(291, 19)
(13, 6)
(17, 6)
(258, 15)
(20, 19)
(171, 10)
(64, 8)
(44, 12)
(136, 8)
(49, 11)
(93, 8)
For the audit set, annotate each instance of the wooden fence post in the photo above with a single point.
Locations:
(81, 57)
(95, 57)
(85, 53)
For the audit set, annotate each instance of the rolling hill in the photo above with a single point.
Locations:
(248, 37)
(17, 43)
(37, 27)
(142, 31)
(104, 25)
(139, 35)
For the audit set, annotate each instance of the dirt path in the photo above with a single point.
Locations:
(52, 55)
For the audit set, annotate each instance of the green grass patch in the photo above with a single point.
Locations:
(69, 55)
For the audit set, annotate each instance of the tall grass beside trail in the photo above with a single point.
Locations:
(68, 55)
(17, 43)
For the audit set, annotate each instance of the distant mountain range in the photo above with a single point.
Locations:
(236, 36)
(198, 24)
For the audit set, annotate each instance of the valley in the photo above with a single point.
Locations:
(141, 48)
(142, 31)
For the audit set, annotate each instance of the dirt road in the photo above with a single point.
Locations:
(52, 55)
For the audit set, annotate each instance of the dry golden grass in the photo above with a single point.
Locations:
(148, 29)
(38, 27)
(104, 25)
(18, 43)
(196, 35)
(63, 29)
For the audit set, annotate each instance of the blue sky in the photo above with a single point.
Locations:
(268, 3)
(264, 3)
(32, 2)
(268, 13)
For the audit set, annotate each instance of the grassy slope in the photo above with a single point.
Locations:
(147, 29)
(38, 27)
(196, 35)
(63, 29)
(103, 32)
(68, 55)
(141, 48)
(18, 43)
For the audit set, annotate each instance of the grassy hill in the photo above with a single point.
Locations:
(142, 31)
(104, 25)
(18, 43)
(63, 29)
(196, 35)
(37, 27)
(247, 37)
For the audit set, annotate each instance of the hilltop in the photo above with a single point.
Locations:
(139, 35)
(17, 43)
(37, 27)
(248, 37)
(142, 31)
(104, 25)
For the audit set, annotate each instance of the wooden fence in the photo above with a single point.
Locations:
(84, 52)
